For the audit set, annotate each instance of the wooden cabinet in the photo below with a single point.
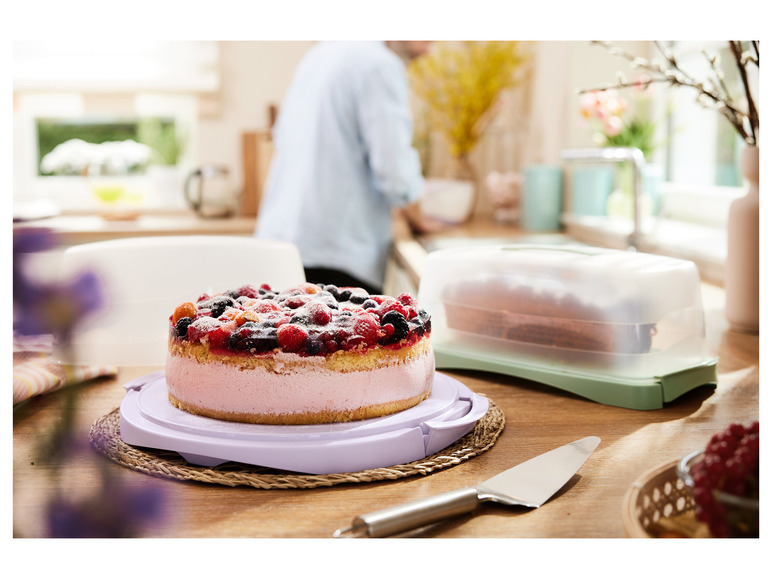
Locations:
(257, 148)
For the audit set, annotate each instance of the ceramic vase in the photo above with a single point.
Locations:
(504, 195)
(542, 198)
(464, 171)
(742, 260)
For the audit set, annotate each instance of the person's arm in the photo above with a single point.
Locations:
(419, 222)
(386, 127)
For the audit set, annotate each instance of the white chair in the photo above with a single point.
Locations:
(145, 278)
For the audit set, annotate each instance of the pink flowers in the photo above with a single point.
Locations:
(607, 107)
(616, 123)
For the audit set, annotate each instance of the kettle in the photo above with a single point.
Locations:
(209, 191)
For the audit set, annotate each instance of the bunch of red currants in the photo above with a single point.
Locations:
(726, 482)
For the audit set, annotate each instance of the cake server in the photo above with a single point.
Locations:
(529, 484)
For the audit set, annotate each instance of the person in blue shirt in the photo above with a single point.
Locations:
(343, 161)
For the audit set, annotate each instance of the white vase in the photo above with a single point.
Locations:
(742, 260)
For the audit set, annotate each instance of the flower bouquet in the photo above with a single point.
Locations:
(608, 110)
(618, 124)
(459, 85)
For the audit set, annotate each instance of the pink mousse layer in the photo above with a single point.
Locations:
(314, 388)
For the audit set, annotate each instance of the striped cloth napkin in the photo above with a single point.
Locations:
(35, 373)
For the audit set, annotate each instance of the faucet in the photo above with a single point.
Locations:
(618, 155)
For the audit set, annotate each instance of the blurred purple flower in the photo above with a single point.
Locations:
(25, 242)
(57, 308)
(115, 512)
(53, 308)
(32, 240)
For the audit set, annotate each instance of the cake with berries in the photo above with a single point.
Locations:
(310, 354)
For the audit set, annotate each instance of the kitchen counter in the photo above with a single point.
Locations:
(538, 418)
(74, 229)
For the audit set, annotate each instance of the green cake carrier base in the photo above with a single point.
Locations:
(648, 393)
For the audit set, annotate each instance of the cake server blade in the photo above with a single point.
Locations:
(529, 484)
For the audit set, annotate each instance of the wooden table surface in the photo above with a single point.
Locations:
(538, 418)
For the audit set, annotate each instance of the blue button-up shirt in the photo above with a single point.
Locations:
(343, 157)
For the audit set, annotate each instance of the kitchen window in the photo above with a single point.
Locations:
(138, 96)
(701, 151)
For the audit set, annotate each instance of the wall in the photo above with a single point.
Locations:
(255, 75)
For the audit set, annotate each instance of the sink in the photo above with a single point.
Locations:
(434, 244)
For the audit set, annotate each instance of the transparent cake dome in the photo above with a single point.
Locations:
(556, 313)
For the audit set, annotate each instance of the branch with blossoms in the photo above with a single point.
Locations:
(712, 93)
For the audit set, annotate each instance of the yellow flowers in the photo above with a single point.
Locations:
(459, 84)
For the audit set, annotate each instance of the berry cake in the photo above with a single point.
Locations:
(307, 355)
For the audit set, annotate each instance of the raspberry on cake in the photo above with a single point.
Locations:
(306, 355)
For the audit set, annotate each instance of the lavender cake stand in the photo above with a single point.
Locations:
(148, 419)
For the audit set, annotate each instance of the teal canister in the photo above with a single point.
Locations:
(590, 189)
(542, 198)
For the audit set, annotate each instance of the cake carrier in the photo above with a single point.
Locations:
(620, 328)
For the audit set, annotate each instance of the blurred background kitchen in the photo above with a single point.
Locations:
(151, 137)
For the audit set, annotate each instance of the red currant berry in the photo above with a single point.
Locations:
(714, 466)
(736, 430)
(723, 449)
(702, 495)
(351, 342)
(387, 330)
(751, 442)
(736, 469)
(331, 346)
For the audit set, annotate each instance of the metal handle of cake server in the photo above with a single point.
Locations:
(402, 518)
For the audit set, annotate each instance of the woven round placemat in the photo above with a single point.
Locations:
(105, 437)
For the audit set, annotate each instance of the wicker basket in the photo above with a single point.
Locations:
(660, 504)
